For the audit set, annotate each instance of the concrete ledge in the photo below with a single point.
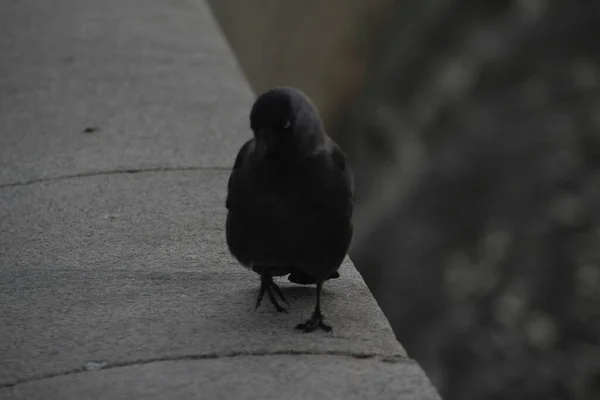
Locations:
(115, 280)
(155, 80)
(135, 267)
(246, 377)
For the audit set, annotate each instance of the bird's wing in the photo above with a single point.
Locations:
(344, 178)
(239, 160)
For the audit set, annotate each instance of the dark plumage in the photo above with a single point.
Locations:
(290, 198)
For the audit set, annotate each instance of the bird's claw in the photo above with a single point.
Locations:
(280, 308)
(279, 292)
(316, 321)
(267, 285)
(274, 300)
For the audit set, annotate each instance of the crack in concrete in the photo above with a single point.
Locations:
(208, 356)
(109, 172)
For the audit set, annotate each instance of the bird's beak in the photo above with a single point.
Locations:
(267, 138)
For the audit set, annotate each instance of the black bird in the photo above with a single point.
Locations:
(290, 198)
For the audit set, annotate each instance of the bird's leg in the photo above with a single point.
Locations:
(278, 291)
(274, 301)
(261, 293)
(266, 284)
(316, 321)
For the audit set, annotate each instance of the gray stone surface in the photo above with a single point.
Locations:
(160, 85)
(254, 377)
(128, 272)
(126, 268)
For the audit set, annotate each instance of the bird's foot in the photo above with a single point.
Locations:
(272, 285)
(278, 307)
(261, 294)
(316, 321)
(279, 292)
(267, 285)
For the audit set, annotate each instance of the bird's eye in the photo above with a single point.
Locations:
(287, 124)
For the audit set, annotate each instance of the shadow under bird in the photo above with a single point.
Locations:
(290, 199)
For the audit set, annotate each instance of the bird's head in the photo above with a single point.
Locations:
(284, 119)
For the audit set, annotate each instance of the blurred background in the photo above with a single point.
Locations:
(474, 132)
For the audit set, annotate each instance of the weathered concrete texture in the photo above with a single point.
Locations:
(126, 267)
(130, 271)
(158, 85)
(249, 377)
